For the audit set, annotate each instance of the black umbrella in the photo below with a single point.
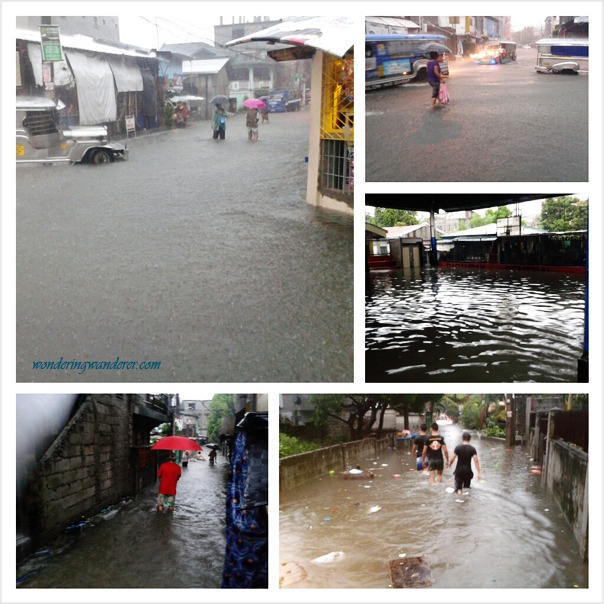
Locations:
(434, 46)
(219, 100)
(211, 446)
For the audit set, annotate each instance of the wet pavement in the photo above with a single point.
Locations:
(507, 531)
(502, 125)
(202, 255)
(473, 325)
(134, 546)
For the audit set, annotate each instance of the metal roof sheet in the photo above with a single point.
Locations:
(334, 35)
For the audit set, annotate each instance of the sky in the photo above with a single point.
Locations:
(153, 32)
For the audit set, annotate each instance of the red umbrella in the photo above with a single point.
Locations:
(254, 104)
(177, 443)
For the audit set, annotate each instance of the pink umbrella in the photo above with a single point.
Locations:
(177, 443)
(254, 104)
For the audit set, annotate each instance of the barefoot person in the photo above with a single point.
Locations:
(169, 473)
(464, 454)
(433, 452)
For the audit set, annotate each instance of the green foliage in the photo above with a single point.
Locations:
(222, 405)
(470, 416)
(494, 429)
(564, 214)
(290, 445)
(491, 215)
(388, 217)
(168, 115)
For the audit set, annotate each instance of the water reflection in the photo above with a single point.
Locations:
(508, 532)
(140, 548)
(473, 326)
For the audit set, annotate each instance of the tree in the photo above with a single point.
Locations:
(564, 214)
(221, 405)
(358, 411)
(388, 217)
(491, 215)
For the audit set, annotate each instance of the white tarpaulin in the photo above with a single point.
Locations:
(62, 75)
(95, 86)
(126, 73)
(334, 35)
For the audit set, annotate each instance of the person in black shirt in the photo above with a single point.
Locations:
(464, 454)
(418, 446)
(434, 449)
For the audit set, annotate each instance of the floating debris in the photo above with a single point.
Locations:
(328, 558)
(374, 509)
(291, 573)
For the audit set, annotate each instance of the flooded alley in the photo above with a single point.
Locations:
(131, 545)
(473, 325)
(507, 531)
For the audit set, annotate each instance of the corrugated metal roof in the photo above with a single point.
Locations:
(334, 35)
(203, 66)
(80, 42)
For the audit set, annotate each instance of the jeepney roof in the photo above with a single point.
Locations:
(563, 42)
(35, 102)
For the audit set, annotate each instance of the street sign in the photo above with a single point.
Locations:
(51, 43)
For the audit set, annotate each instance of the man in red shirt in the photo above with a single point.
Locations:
(168, 474)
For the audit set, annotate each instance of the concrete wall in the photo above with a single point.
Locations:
(297, 469)
(88, 466)
(567, 478)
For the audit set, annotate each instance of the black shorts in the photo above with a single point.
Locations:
(436, 464)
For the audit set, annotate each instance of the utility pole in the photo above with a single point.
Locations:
(510, 420)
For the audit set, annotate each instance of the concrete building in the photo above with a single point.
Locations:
(328, 42)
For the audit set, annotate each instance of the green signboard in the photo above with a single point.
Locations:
(51, 44)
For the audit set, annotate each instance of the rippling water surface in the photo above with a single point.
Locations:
(473, 326)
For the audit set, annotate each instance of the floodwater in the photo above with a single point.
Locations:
(202, 255)
(506, 532)
(137, 547)
(470, 325)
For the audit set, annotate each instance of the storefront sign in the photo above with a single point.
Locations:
(51, 44)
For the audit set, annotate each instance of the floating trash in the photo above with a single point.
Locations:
(396, 476)
(374, 509)
(328, 558)
(450, 490)
(459, 501)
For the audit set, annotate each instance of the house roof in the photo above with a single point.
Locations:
(203, 66)
(488, 230)
(404, 231)
(81, 42)
(334, 35)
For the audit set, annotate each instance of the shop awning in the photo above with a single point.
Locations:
(127, 75)
(95, 87)
(62, 75)
(333, 35)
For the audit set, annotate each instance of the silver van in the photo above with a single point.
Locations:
(42, 139)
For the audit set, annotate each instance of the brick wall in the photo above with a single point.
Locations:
(88, 466)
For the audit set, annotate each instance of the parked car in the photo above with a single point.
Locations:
(41, 137)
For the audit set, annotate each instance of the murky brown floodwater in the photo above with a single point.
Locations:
(508, 532)
(141, 548)
(469, 325)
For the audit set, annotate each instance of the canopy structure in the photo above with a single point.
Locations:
(333, 35)
(453, 202)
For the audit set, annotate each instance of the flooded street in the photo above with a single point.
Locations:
(506, 532)
(470, 325)
(501, 126)
(199, 254)
(137, 547)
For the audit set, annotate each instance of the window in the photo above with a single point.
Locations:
(40, 122)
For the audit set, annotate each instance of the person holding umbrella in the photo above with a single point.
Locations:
(251, 119)
(169, 474)
(219, 123)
